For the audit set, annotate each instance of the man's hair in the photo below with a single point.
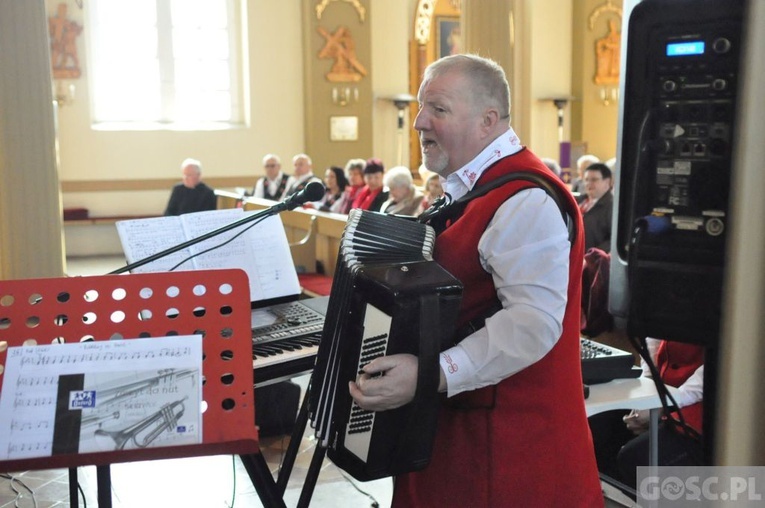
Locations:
(398, 176)
(604, 170)
(192, 162)
(271, 156)
(488, 79)
(302, 156)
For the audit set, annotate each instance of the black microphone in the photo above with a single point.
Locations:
(314, 191)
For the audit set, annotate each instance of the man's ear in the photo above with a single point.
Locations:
(489, 120)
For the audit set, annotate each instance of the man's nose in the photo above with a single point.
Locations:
(420, 120)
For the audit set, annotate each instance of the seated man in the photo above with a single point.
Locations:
(577, 179)
(302, 175)
(273, 185)
(597, 207)
(191, 195)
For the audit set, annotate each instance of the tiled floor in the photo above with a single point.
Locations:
(203, 482)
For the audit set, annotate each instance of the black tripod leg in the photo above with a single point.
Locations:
(294, 446)
(73, 493)
(262, 480)
(104, 482)
(311, 477)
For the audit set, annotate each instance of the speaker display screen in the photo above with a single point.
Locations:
(687, 48)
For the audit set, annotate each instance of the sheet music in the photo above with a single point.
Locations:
(141, 238)
(262, 250)
(101, 396)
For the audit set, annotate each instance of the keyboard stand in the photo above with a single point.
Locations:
(314, 469)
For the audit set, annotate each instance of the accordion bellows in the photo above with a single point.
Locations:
(388, 297)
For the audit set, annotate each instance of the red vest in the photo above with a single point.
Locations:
(676, 363)
(524, 442)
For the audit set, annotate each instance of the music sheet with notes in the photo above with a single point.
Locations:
(261, 250)
(101, 396)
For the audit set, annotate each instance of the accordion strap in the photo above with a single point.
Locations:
(442, 211)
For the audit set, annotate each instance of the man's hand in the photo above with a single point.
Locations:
(387, 382)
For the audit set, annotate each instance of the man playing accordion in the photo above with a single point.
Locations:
(512, 428)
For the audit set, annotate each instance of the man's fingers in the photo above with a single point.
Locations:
(378, 365)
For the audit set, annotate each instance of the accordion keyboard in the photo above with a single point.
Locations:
(374, 343)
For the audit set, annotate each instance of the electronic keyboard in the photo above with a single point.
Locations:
(285, 339)
(602, 363)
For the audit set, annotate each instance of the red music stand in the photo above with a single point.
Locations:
(213, 303)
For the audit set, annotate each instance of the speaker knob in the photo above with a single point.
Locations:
(719, 84)
(669, 86)
(714, 227)
(721, 45)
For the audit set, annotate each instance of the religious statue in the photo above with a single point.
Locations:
(63, 45)
(607, 50)
(342, 48)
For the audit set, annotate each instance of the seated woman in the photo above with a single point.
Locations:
(334, 197)
(682, 366)
(354, 173)
(405, 198)
(372, 196)
(433, 190)
(617, 449)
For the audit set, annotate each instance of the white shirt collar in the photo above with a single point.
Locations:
(463, 180)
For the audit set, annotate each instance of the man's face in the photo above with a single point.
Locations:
(595, 185)
(448, 124)
(191, 176)
(373, 180)
(301, 166)
(272, 168)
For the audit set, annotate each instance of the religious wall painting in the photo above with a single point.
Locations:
(608, 53)
(449, 36)
(340, 47)
(63, 44)
(607, 18)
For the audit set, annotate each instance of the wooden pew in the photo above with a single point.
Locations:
(227, 199)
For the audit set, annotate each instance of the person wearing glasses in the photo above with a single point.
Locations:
(597, 207)
(273, 185)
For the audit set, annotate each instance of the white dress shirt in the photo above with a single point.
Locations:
(273, 186)
(691, 391)
(526, 250)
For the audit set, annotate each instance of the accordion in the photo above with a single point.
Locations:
(388, 297)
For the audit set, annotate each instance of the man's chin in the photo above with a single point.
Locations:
(435, 164)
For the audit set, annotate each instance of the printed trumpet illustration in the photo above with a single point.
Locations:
(144, 432)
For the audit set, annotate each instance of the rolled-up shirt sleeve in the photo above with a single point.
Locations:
(526, 250)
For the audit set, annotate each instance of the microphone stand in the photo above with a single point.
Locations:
(254, 465)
